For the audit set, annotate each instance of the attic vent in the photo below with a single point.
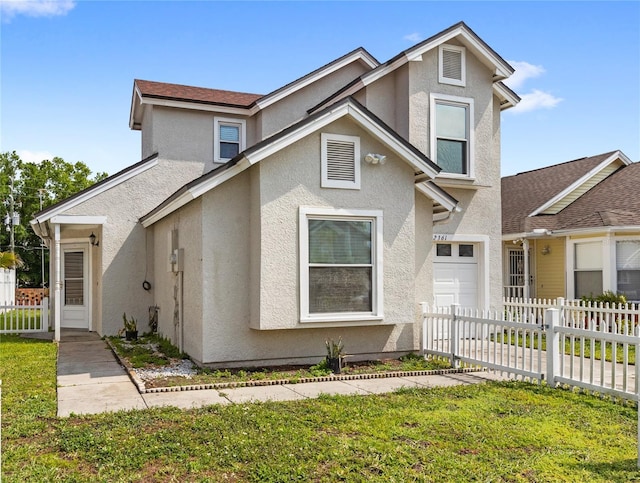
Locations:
(340, 161)
(452, 65)
(340, 157)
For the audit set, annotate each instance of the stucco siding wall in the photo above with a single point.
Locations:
(293, 108)
(550, 269)
(480, 207)
(230, 264)
(122, 243)
(181, 134)
(166, 284)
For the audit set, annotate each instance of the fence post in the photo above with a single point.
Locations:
(453, 337)
(44, 314)
(551, 321)
(423, 311)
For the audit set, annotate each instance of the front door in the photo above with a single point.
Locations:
(75, 297)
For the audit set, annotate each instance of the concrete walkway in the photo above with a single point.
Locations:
(91, 381)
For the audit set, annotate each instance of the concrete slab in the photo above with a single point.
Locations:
(185, 399)
(315, 389)
(98, 398)
(76, 374)
(456, 379)
(261, 393)
(383, 385)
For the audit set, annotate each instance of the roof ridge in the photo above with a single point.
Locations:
(562, 163)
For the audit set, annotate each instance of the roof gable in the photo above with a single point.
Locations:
(541, 198)
(347, 107)
(461, 32)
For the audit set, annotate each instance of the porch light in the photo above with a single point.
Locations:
(92, 239)
(546, 250)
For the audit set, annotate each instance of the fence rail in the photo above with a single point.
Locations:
(591, 346)
(21, 318)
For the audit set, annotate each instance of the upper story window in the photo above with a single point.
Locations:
(451, 65)
(452, 134)
(340, 161)
(229, 138)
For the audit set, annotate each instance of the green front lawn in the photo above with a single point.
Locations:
(492, 432)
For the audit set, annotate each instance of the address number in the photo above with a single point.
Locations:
(440, 237)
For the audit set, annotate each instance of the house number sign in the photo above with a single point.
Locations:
(440, 237)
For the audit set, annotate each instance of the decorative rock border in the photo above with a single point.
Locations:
(139, 383)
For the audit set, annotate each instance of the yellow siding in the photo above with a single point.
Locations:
(550, 268)
(582, 189)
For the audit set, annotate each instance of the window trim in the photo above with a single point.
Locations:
(467, 102)
(217, 122)
(325, 182)
(463, 68)
(326, 213)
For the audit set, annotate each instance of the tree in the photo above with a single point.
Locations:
(10, 260)
(35, 186)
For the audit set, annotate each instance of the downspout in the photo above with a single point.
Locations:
(58, 284)
(525, 248)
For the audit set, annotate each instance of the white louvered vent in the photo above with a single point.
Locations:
(340, 161)
(452, 65)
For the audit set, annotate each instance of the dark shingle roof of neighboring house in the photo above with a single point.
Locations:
(163, 90)
(612, 202)
(606, 204)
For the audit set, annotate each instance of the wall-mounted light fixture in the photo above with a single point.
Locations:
(375, 158)
(546, 250)
(93, 240)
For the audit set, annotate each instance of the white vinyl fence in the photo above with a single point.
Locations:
(7, 285)
(563, 342)
(17, 319)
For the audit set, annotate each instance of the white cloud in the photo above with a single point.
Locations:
(414, 37)
(536, 100)
(34, 156)
(523, 71)
(35, 8)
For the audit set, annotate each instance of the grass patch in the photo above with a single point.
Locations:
(490, 432)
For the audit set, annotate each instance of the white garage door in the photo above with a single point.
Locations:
(455, 274)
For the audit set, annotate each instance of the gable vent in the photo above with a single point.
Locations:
(341, 161)
(452, 64)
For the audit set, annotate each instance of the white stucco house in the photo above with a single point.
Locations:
(260, 225)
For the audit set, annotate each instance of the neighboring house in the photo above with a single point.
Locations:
(573, 229)
(259, 226)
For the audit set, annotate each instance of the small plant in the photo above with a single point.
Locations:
(335, 354)
(130, 328)
(608, 297)
(334, 349)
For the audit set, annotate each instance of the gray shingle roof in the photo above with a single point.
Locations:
(614, 201)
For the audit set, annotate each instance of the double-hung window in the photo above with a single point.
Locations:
(452, 134)
(341, 264)
(229, 138)
(628, 268)
(587, 269)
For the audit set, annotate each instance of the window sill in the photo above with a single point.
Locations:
(341, 319)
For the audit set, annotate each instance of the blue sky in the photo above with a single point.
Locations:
(67, 67)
